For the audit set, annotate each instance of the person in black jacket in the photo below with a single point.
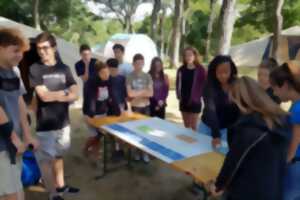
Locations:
(255, 164)
(219, 112)
(99, 101)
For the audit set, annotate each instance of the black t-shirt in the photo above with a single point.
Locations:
(187, 83)
(51, 115)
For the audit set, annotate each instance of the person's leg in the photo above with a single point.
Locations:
(193, 119)
(58, 170)
(185, 119)
(45, 163)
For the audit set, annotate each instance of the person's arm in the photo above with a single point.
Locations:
(148, 92)
(295, 121)
(72, 94)
(82, 71)
(294, 142)
(210, 115)
(72, 88)
(28, 139)
(133, 93)
(14, 137)
(114, 108)
(165, 91)
(85, 76)
(47, 95)
(89, 100)
(178, 84)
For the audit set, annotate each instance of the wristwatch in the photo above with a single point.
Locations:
(66, 91)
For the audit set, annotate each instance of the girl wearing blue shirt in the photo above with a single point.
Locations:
(285, 81)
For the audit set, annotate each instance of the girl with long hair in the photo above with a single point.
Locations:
(255, 164)
(285, 81)
(189, 84)
(158, 102)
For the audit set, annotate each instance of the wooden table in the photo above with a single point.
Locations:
(97, 122)
(202, 168)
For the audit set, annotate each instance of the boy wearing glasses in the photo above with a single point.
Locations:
(55, 89)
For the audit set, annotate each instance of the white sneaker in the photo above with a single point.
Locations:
(146, 158)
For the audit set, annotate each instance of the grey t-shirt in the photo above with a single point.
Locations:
(137, 82)
(11, 88)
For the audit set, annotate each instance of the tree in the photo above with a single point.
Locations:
(154, 19)
(227, 17)
(277, 27)
(212, 17)
(123, 9)
(36, 14)
(176, 32)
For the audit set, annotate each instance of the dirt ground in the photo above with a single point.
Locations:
(156, 181)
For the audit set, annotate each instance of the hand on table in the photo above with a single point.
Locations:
(211, 187)
(216, 142)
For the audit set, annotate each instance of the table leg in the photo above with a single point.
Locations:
(104, 154)
(129, 156)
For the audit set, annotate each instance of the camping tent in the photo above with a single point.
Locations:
(133, 43)
(251, 53)
(68, 52)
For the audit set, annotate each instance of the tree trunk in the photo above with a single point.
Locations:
(212, 17)
(277, 27)
(176, 32)
(161, 40)
(184, 27)
(36, 15)
(154, 21)
(127, 24)
(228, 15)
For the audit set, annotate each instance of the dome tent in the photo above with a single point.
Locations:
(133, 43)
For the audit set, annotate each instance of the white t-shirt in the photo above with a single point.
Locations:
(125, 69)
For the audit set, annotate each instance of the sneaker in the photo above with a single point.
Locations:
(67, 189)
(146, 158)
(56, 198)
(137, 156)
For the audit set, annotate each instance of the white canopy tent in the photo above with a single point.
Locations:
(251, 53)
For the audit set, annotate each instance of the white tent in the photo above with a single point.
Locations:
(251, 53)
(133, 43)
(68, 52)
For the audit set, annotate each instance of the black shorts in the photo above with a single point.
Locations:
(190, 108)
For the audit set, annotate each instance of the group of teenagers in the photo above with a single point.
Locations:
(263, 139)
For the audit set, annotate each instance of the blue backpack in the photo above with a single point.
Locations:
(30, 170)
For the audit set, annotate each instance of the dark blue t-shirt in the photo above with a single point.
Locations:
(294, 118)
(80, 67)
(119, 89)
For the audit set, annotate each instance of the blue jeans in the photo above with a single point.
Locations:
(292, 182)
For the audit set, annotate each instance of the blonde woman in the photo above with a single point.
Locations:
(255, 164)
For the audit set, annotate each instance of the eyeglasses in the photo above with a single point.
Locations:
(44, 48)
